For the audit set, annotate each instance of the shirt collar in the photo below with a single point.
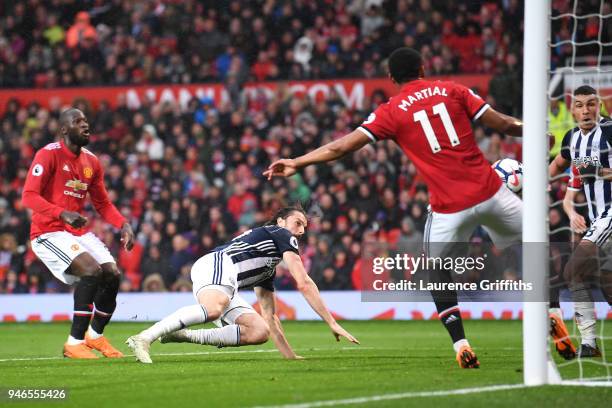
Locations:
(67, 151)
(409, 85)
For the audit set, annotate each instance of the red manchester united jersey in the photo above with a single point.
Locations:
(59, 181)
(431, 122)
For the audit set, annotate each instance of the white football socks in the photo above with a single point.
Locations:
(458, 344)
(225, 336)
(585, 320)
(184, 317)
(93, 334)
(72, 341)
(584, 312)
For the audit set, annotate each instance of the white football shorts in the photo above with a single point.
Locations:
(58, 249)
(501, 216)
(217, 271)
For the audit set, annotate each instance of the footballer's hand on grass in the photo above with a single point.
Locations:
(295, 357)
(73, 218)
(340, 332)
(127, 236)
(577, 223)
(281, 168)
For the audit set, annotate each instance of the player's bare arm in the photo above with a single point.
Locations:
(311, 293)
(577, 222)
(267, 302)
(502, 123)
(329, 152)
(557, 166)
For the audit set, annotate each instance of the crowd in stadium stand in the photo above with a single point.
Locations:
(43, 44)
(190, 179)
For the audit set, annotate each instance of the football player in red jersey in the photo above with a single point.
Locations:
(431, 123)
(55, 190)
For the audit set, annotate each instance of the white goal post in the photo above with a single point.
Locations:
(536, 62)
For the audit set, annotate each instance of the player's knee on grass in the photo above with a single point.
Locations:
(253, 329)
(85, 265)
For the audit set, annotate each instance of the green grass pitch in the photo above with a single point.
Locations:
(394, 357)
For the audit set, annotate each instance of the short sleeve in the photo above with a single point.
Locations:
(473, 104)
(565, 146)
(379, 125)
(284, 241)
(575, 182)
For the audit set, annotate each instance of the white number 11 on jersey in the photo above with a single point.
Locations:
(440, 110)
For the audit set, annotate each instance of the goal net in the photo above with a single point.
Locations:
(580, 50)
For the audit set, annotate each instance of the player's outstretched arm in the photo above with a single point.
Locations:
(502, 123)
(311, 293)
(267, 302)
(329, 152)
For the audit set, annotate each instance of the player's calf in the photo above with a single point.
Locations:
(254, 329)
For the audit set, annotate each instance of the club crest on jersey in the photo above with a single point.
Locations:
(76, 185)
(88, 172)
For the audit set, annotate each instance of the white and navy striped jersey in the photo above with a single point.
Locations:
(256, 253)
(592, 148)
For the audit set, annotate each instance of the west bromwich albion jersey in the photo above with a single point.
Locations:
(594, 147)
(257, 252)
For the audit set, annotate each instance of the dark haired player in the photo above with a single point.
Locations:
(247, 261)
(61, 176)
(431, 122)
(587, 148)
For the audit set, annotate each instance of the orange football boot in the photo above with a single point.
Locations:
(78, 351)
(561, 337)
(467, 358)
(103, 346)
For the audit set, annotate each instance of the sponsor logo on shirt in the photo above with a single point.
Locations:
(76, 185)
(66, 168)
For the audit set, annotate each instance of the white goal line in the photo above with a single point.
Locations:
(403, 395)
(421, 394)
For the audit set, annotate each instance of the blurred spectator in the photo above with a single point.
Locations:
(150, 144)
(81, 31)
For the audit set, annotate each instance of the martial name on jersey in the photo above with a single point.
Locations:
(592, 148)
(256, 253)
